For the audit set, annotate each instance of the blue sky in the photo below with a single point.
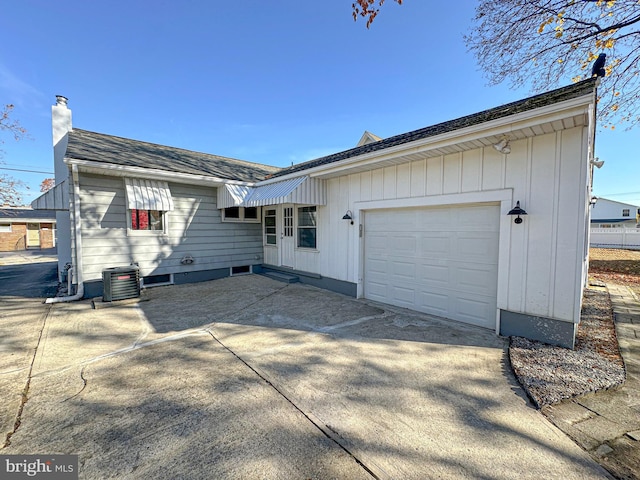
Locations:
(270, 82)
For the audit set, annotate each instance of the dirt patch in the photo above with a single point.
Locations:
(615, 265)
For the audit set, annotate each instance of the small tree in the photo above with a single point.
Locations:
(47, 184)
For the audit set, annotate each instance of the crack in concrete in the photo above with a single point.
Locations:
(25, 391)
(84, 385)
(327, 431)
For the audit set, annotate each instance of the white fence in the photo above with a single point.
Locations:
(615, 238)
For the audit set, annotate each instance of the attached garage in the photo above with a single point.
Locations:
(437, 260)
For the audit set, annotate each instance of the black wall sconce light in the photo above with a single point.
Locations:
(348, 216)
(517, 211)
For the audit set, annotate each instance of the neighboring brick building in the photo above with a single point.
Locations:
(23, 228)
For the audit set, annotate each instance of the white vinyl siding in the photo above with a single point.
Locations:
(194, 227)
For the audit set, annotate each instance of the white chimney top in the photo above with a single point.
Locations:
(61, 100)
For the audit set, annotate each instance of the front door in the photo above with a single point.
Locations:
(287, 239)
(33, 235)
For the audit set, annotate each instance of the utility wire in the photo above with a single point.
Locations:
(30, 171)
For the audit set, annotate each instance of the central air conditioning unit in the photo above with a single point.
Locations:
(121, 283)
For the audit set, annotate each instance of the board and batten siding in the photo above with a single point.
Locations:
(539, 272)
(194, 228)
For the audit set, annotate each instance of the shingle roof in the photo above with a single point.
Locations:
(23, 213)
(108, 149)
(531, 103)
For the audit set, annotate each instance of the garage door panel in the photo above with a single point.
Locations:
(476, 247)
(433, 274)
(473, 310)
(432, 302)
(403, 296)
(473, 278)
(403, 245)
(432, 245)
(404, 270)
(442, 262)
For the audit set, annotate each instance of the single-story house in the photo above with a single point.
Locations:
(22, 228)
(614, 224)
(483, 219)
(611, 214)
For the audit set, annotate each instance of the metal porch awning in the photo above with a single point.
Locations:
(302, 190)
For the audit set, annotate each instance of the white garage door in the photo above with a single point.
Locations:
(442, 261)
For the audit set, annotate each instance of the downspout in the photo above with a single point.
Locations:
(77, 267)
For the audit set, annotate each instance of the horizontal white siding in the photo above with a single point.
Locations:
(194, 228)
(548, 174)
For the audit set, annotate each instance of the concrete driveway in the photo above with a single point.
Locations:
(246, 377)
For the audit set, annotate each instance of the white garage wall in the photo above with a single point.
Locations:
(547, 173)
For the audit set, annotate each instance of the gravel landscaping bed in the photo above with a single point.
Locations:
(550, 374)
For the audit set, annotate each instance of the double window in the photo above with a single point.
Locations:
(241, 214)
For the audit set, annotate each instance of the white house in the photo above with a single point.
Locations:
(614, 224)
(425, 220)
(611, 214)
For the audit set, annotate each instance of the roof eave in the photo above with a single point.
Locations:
(498, 126)
(90, 166)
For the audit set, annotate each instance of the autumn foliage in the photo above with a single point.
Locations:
(368, 9)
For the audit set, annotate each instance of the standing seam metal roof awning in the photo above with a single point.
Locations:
(302, 190)
(148, 195)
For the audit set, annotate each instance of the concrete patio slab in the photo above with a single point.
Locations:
(246, 377)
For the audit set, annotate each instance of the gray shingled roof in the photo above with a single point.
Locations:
(98, 147)
(23, 213)
(549, 98)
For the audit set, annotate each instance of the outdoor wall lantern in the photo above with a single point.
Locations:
(517, 211)
(348, 216)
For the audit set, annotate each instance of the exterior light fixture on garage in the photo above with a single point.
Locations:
(517, 211)
(503, 146)
(348, 216)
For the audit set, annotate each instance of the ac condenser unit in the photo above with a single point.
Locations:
(120, 283)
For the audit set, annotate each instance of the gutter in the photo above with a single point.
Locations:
(77, 267)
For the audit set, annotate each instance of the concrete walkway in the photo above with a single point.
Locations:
(607, 423)
(33, 255)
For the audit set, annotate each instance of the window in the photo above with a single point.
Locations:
(5, 227)
(625, 212)
(251, 213)
(232, 212)
(307, 220)
(147, 220)
(270, 235)
(240, 214)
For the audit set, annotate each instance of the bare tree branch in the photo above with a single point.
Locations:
(544, 42)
